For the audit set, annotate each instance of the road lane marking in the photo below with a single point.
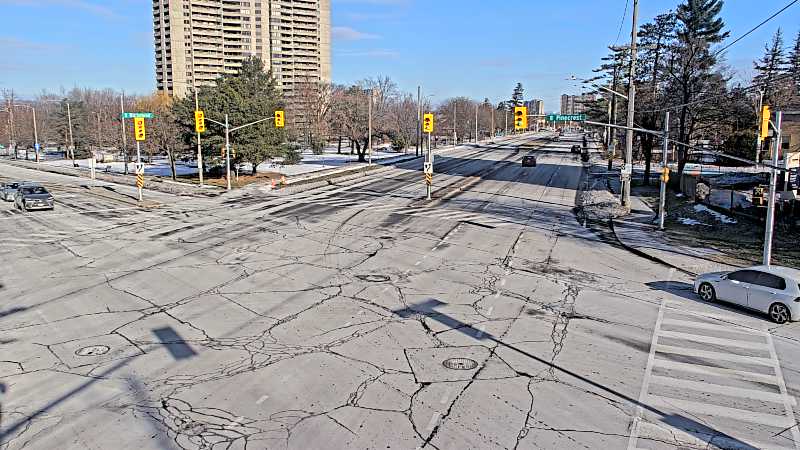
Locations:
(714, 340)
(661, 348)
(646, 381)
(753, 394)
(719, 411)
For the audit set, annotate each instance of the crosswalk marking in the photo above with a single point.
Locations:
(714, 340)
(714, 355)
(716, 371)
(719, 389)
(721, 411)
(693, 419)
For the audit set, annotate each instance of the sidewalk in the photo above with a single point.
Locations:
(639, 232)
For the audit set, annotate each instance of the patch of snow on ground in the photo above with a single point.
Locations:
(690, 222)
(718, 216)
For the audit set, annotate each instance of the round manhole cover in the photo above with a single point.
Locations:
(373, 278)
(93, 350)
(460, 363)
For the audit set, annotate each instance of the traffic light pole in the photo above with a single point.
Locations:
(662, 202)
(139, 166)
(430, 161)
(199, 148)
(773, 180)
(627, 173)
(228, 131)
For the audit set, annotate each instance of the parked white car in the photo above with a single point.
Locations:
(773, 290)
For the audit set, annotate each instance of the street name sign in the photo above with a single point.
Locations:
(137, 115)
(566, 117)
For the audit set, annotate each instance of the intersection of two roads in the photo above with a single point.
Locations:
(359, 315)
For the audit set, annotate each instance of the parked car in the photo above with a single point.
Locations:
(32, 196)
(9, 189)
(575, 149)
(773, 290)
(528, 161)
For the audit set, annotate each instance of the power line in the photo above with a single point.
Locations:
(756, 27)
(622, 22)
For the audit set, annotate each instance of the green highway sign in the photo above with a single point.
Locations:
(566, 117)
(132, 115)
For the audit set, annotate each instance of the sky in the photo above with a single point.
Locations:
(474, 48)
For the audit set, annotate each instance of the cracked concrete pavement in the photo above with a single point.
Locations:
(323, 319)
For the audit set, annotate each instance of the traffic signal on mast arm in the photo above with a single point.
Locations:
(280, 119)
(427, 123)
(199, 121)
(520, 118)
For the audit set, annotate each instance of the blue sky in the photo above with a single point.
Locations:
(451, 47)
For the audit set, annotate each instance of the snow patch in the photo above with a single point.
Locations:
(691, 222)
(718, 216)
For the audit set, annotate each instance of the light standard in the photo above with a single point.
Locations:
(35, 131)
(196, 108)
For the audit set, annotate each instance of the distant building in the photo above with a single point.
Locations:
(196, 41)
(535, 107)
(576, 104)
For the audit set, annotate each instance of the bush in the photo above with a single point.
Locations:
(292, 154)
(399, 143)
(317, 146)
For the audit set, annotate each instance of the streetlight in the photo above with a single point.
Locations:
(228, 131)
(196, 108)
(35, 132)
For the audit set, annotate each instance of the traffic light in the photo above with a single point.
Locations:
(138, 128)
(427, 123)
(520, 118)
(765, 116)
(280, 119)
(200, 121)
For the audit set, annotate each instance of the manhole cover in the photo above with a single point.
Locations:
(460, 363)
(373, 278)
(93, 350)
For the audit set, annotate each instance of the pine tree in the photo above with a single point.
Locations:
(769, 67)
(793, 65)
(518, 97)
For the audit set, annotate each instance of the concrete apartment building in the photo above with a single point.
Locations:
(536, 107)
(575, 104)
(196, 41)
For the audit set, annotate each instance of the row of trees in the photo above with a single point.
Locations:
(318, 114)
(681, 69)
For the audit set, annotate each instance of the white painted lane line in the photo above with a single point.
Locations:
(782, 386)
(720, 389)
(714, 327)
(714, 340)
(742, 415)
(717, 371)
(418, 263)
(715, 355)
(634, 437)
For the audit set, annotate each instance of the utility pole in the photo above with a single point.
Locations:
(71, 139)
(419, 119)
(662, 204)
(455, 135)
(35, 134)
(612, 119)
(758, 134)
(124, 137)
(11, 142)
(627, 172)
(476, 124)
(505, 113)
(773, 181)
(227, 152)
(492, 136)
(369, 131)
(199, 149)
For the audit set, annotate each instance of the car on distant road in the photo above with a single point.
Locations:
(575, 149)
(9, 189)
(773, 290)
(33, 196)
(528, 161)
(555, 138)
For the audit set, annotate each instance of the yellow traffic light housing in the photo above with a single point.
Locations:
(138, 129)
(280, 119)
(199, 121)
(427, 123)
(520, 118)
(765, 116)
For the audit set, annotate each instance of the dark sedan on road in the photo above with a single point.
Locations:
(528, 161)
(30, 197)
(9, 189)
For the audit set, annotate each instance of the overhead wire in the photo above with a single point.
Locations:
(621, 22)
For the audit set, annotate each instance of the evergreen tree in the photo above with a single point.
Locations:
(769, 67)
(518, 97)
(793, 64)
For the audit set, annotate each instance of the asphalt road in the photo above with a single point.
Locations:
(359, 315)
